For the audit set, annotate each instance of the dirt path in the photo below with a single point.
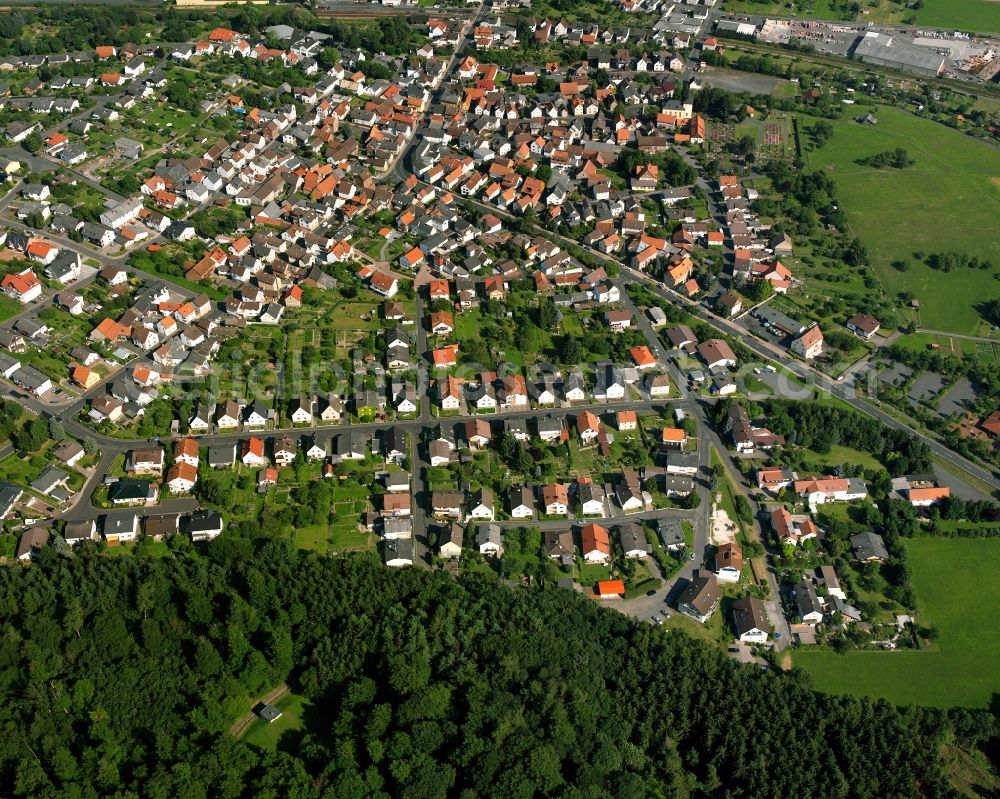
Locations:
(240, 725)
(723, 529)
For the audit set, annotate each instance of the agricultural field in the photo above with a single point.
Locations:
(955, 594)
(965, 176)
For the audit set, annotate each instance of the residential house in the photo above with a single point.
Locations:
(555, 499)
(729, 562)
(481, 506)
(808, 344)
(701, 596)
(807, 604)
(521, 502)
(204, 525)
(595, 544)
(750, 622)
(451, 539)
(633, 541)
(489, 539)
(869, 547)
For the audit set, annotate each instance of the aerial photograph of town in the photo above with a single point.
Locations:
(500, 398)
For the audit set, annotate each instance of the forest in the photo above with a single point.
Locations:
(122, 675)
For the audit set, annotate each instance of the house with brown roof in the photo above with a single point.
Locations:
(750, 622)
(729, 562)
(716, 353)
(555, 499)
(701, 596)
(864, 325)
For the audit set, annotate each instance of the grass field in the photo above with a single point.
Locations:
(9, 307)
(265, 735)
(970, 15)
(956, 593)
(967, 15)
(949, 200)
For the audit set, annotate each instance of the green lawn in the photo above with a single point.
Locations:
(970, 15)
(966, 15)
(839, 455)
(9, 307)
(949, 200)
(956, 593)
(265, 735)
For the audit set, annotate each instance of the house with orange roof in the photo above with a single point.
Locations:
(555, 499)
(595, 543)
(55, 142)
(42, 251)
(181, 478)
(108, 331)
(773, 480)
(439, 290)
(84, 377)
(673, 437)
(22, 286)
(808, 344)
(642, 357)
(252, 453)
(384, 284)
(144, 376)
(610, 589)
(626, 420)
(446, 356)
(104, 52)
(186, 450)
(411, 259)
(442, 323)
(587, 427)
(818, 490)
(449, 393)
(789, 529)
(222, 35)
(923, 497)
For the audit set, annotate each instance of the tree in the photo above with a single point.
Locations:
(821, 132)
(570, 351)
(56, 430)
(31, 436)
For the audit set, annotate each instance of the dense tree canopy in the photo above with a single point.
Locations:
(818, 427)
(121, 676)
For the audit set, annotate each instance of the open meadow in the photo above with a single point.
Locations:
(981, 16)
(948, 200)
(956, 594)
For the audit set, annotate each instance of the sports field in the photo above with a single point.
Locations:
(948, 200)
(957, 594)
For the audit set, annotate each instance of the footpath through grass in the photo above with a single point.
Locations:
(957, 594)
(947, 201)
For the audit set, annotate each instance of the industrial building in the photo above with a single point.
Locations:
(883, 49)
